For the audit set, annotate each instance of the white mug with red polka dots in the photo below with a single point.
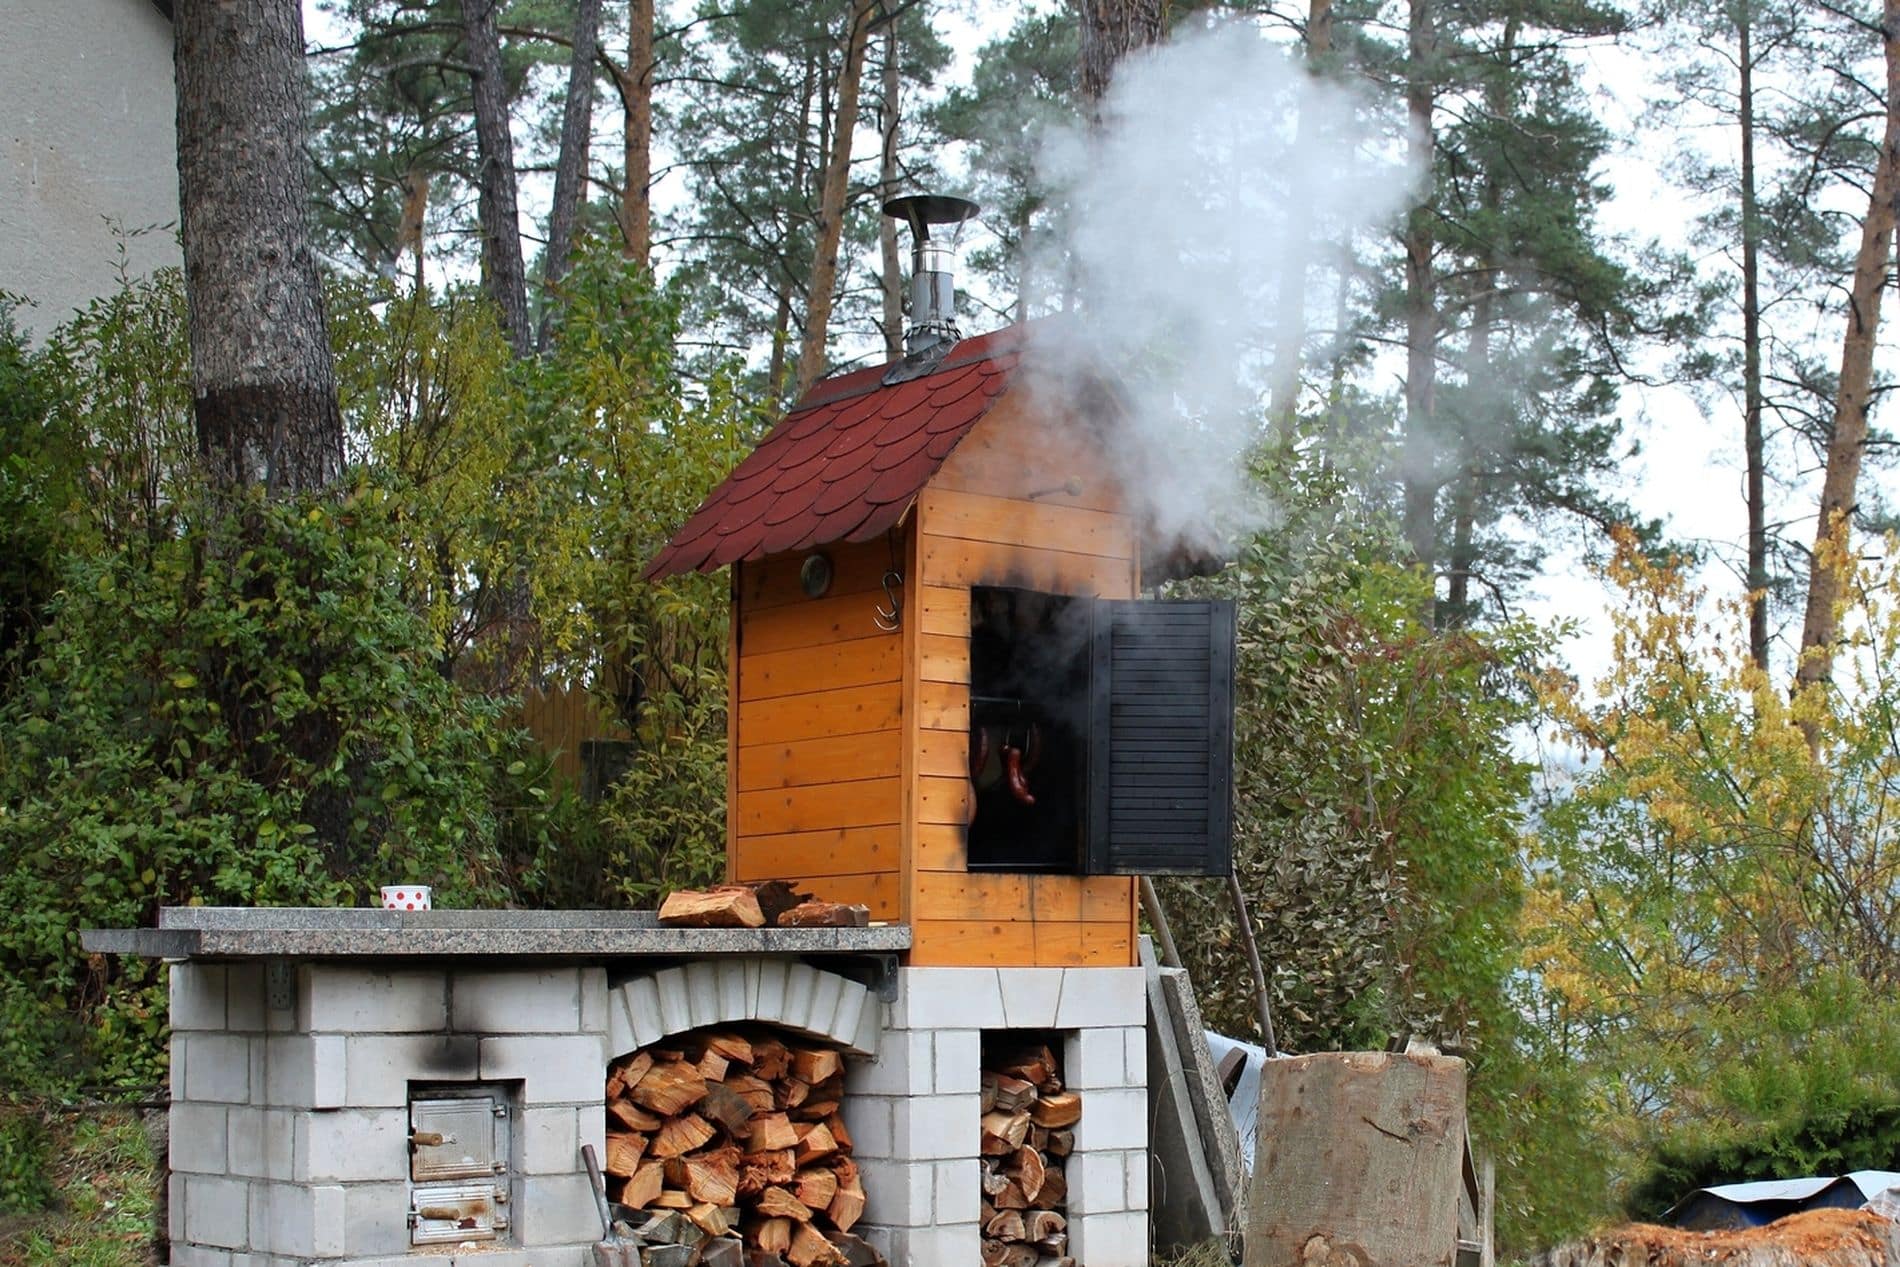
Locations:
(405, 897)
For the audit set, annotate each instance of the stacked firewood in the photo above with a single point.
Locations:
(757, 904)
(1028, 1131)
(734, 1136)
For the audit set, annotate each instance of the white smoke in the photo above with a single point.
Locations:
(1220, 169)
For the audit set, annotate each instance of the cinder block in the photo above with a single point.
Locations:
(348, 1000)
(873, 1025)
(869, 1119)
(1098, 1182)
(244, 998)
(550, 1141)
(676, 1003)
(750, 968)
(821, 1015)
(1136, 1165)
(594, 1000)
(547, 1001)
(378, 1068)
(731, 978)
(197, 995)
(295, 1220)
(576, 1255)
(175, 1064)
(1093, 997)
(219, 1069)
(375, 1219)
(702, 993)
(642, 996)
(570, 1069)
(800, 980)
(620, 1038)
(899, 1192)
(200, 1256)
(1110, 1240)
(1113, 1119)
(947, 998)
(937, 1246)
(217, 1212)
(957, 1062)
(959, 1190)
(352, 1144)
(770, 1005)
(590, 1128)
(847, 1024)
(1095, 1058)
(937, 1126)
(306, 1071)
(556, 1210)
(1135, 1054)
(175, 1207)
(261, 1143)
(1030, 996)
(197, 1138)
(902, 1068)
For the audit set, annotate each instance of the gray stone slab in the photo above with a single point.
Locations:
(1218, 1137)
(1183, 1197)
(317, 933)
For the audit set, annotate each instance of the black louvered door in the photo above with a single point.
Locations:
(1161, 724)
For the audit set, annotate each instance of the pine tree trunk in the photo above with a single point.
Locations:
(504, 274)
(831, 200)
(570, 168)
(1420, 478)
(1832, 531)
(636, 91)
(893, 279)
(1290, 328)
(1111, 30)
(1752, 442)
(263, 387)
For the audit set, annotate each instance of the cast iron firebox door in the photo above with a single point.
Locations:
(1161, 737)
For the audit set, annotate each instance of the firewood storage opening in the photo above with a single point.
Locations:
(728, 1141)
(1028, 1134)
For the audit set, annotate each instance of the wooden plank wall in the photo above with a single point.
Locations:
(978, 524)
(815, 755)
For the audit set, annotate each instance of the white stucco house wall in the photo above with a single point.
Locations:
(87, 150)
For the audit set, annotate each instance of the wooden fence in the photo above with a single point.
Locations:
(562, 719)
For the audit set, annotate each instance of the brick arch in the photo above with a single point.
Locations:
(784, 992)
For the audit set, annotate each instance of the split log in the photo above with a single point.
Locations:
(682, 1134)
(728, 1108)
(1055, 1189)
(1014, 1093)
(856, 1252)
(711, 1218)
(775, 897)
(835, 1124)
(644, 1185)
(632, 1117)
(986, 1093)
(1061, 1143)
(1008, 1225)
(756, 1091)
(775, 1202)
(1061, 1109)
(1004, 1132)
(1011, 1197)
(815, 1064)
(770, 1059)
(815, 1188)
(624, 1151)
(722, 1251)
(712, 1066)
(817, 914)
(773, 1235)
(1037, 1066)
(727, 907)
(847, 1206)
(792, 1092)
(1043, 1225)
(714, 1177)
(671, 1199)
(811, 1249)
(772, 1131)
(733, 1047)
(815, 1142)
(1026, 1172)
(669, 1089)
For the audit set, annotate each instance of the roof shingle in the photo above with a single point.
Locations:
(846, 463)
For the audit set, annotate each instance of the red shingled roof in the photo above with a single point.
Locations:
(846, 463)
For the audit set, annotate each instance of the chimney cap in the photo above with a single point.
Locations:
(923, 210)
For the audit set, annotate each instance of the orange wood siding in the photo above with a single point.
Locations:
(816, 763)
(976, 524)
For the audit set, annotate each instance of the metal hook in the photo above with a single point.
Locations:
(889, 621)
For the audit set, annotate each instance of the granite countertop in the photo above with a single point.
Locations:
(246, 932)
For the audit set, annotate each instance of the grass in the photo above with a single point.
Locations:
(104, 1179)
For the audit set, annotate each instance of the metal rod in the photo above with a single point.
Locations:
(1239, 897)
(1151, 907)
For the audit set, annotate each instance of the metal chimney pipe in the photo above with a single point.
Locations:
(933, 287)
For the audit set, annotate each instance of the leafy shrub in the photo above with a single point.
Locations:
(1864, 1137)
(248, 715)
(25, 1162)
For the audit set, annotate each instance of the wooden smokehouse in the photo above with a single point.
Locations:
(947, 701)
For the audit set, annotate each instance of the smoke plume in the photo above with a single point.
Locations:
(1220, 169)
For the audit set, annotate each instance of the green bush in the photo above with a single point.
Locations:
(26, 1156)
(1864, 1137)
(248, 714)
